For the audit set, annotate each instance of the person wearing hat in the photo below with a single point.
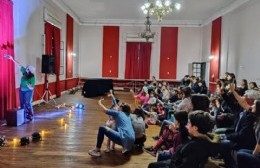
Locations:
(26, 88)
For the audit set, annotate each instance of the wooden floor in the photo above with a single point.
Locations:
(67, 137)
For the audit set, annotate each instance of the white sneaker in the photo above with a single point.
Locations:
(93, 152)
(107, 150)
(124, 151)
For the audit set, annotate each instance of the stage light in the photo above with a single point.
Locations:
(80, 106)
(24, 141)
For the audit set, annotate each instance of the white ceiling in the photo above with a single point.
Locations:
(128, 12)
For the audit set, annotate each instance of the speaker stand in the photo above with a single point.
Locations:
(47, 93)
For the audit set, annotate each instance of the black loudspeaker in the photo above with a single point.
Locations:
(48, 64)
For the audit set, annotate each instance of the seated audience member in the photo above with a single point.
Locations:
(198, 102)
(153, 116)
(111, 121)
(185, 103)
(195, 84)
(197, 150)
(184, 81)
(251, 158)
(151, 101)
(243, 135)
(253, 86)
(179, 134)
(111, 124)
(203, 89)
(222, 114)
(243, 87)
(123, 135)
(138, 122)
(174, 96)
(142, 97)
(165, 93)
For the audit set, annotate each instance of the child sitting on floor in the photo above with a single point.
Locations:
(174, 135)
(111, 122)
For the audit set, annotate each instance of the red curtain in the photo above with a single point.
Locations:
(215, 51)
(138, 57)
(69, 46)
(169, 53)
(110, 51)
(131, 62)
(52, 47)
(56, 36)
(48, 38)
(144, 61)
(7, 74)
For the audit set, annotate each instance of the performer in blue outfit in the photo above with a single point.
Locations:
(123, 135)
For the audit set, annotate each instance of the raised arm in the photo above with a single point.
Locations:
(242, 102)
(162, 103)
(113, 99)
(256, 151)
(102, 105)
(12, 59)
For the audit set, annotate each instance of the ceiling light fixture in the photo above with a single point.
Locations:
(160, 8)
(147, 34)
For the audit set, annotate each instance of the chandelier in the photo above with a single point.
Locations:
(147, 34)
(160, 8)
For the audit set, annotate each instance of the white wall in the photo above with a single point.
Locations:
(241, 42)
(29, 34)
(91, 45)
(189, 49)
(206, 45)
(90, 51)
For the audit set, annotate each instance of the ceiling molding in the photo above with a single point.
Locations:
(224, 11)
(128, 22)
(164, 23)
(67, 10)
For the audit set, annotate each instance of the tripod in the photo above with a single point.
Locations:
(47, 92)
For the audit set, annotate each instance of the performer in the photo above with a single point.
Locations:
(26, 88)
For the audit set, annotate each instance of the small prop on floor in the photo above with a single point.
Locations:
(3, 141)
(80, 106)
(36, 136)
(24, 141)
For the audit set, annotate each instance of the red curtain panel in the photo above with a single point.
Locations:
(131, 62)
(56, 36)
(110, 51)
(7, 74)
(69, 46)
(169, 51)
(52, 47)
(138, 57)
(144, 61)
(215, 52)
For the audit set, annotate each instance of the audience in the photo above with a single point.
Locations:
(197, 150)
(233, 112)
